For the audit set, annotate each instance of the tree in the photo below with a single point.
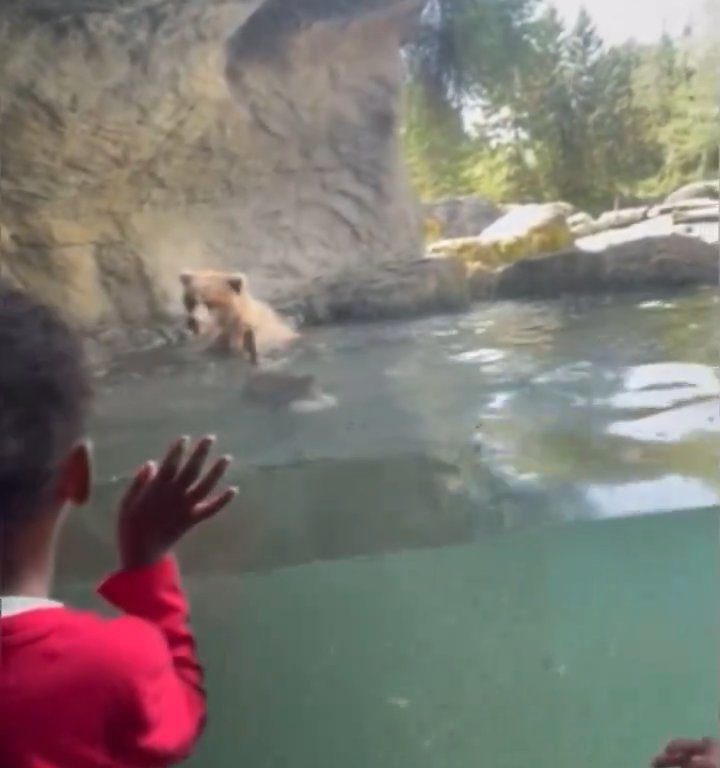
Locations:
(679, 85)
(561, 115)
(467, 48)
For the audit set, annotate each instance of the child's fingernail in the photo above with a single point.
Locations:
(227, 458)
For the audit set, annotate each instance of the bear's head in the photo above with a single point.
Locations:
(208, 297)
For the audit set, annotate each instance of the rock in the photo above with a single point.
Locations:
(682, 205)
(558, 206)
(432, 229)
(657, 226)
(623, 217)
(661, 263)
(698, 189)
(276, 389)
(566, 209)
(459, 217)
(481, 281)
(528, 230)
(702, 214)
(136, 141)
(582, 224)
(422, 287)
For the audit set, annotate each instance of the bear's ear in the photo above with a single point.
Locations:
(186, 278)
(236, 282)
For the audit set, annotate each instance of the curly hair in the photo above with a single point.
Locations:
(45, 393)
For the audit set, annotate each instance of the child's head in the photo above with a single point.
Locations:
(44, 398)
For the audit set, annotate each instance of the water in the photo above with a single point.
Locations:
(501, 541)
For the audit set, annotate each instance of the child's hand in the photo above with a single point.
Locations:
(689, 753)
(163, 503)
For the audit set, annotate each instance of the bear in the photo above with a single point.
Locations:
(221, 308)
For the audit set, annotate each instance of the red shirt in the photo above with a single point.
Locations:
(80, 691)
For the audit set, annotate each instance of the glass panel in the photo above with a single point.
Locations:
(442, 277)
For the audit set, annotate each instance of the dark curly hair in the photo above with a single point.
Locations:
(45, 392)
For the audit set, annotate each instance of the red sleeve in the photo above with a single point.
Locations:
(164, 701)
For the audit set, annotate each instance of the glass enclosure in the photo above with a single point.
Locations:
(477, 520)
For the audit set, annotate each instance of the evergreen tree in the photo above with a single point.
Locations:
(560, 115)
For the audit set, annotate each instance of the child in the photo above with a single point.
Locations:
(76, 690)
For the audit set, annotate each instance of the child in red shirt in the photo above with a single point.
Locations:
(77, 690)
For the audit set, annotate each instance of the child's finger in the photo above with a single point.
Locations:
(667, 761)
(193, 467)
(213, 506)
(141, 479)
(703, 761)
(688, 747)
(210, 480)
(682, 752)
(171, 462)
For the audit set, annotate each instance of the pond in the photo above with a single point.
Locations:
(496, 544)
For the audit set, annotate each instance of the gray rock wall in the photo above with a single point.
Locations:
(141, 137)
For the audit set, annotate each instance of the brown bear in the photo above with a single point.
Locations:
(220, 308)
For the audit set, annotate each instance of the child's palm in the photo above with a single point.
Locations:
(164, 502)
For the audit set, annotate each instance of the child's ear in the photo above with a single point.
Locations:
(75, 479)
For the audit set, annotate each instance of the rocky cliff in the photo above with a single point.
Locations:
(141, 137)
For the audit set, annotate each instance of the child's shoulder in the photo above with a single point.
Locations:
(123, 642)
(81, 650)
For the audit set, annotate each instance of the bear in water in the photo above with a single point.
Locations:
(221, 308)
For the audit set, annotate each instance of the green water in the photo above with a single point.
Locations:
(492, 551)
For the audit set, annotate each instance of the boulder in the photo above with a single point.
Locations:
(582, 224)
(690, 204)
(653, 263)
(558, 206)
(525, 231)
(623, 217)
(421, 287)
(697, 215)
(458, 217)
(698, 189)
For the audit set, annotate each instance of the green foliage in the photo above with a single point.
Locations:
(681, 87)
(470, 46)
(561, 116)
(443, 160)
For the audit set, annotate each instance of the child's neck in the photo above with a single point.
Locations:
(28, 562)
(27, 585)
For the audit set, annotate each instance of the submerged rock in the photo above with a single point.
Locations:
(277, 389)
